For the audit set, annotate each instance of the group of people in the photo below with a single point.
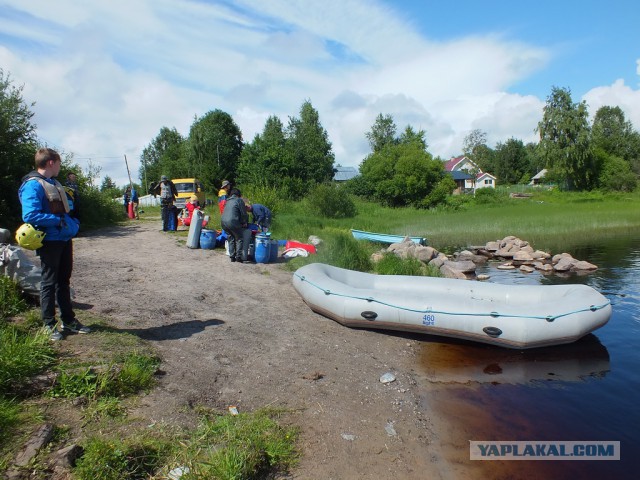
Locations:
(50, 212)
(131, 197)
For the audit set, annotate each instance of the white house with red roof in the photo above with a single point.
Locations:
(463, 163)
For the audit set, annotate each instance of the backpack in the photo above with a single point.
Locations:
(165, 191)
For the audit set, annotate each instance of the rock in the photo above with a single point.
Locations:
(564, 264)
(66, 457)
(466, 266)
(540, 255)
(390, 430)
(438, 261)
(376, 257)
(526, 269)
(387, 378)
(582, 265)
(505, 252)
(522, 256)
(559, 256)
(348, 437)
(466, 255)
(543, 267)
(425, 254)
(492, 246)
(38, 440)
(482, 277)
(506, 266)
(449, 272)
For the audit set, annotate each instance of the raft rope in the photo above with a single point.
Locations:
(548, 318)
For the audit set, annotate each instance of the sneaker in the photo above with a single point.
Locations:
(233, 259)
(76, 327)
(54, 334)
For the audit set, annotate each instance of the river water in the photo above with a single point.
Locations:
(586, 391)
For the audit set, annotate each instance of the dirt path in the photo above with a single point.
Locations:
(239, 334)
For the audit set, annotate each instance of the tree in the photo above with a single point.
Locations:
(565, 141)
(382, 133)
(165, 155)
(411, 136)
(615, 135)
(402, 174)
(264, 161)
(214, 147)
(18, 144)
(107, 184)
(511, 161)
(308, 146)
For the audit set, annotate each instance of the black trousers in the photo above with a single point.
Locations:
(56, 260)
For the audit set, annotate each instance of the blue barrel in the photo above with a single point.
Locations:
(273, 251)
(262, 249)
(207, 239)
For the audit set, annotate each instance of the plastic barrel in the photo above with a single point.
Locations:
(273, 250)
(207, 239)
(262, 249)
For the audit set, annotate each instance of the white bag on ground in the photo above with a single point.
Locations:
(15, 264)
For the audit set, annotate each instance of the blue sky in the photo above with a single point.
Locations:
(107, 76)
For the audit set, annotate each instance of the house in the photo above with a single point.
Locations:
(463, 163)
(460, 177)
(538, 178)
(342, 174)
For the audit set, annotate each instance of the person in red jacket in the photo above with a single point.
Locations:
(191, 206)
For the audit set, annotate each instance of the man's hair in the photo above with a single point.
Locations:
(70, 174)
(43, 155)
(236, 192)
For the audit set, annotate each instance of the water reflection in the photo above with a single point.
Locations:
(464, 363)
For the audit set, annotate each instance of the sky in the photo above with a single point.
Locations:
(106, 76)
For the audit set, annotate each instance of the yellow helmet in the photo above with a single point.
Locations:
(28, 237)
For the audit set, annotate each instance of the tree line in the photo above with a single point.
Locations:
(292, 159)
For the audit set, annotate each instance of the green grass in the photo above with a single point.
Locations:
(23, 353)
(548, 220)
(11, 300)
(245, 446)
(131, 374)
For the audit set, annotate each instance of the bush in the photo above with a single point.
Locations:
(484, 196)
(331, 202)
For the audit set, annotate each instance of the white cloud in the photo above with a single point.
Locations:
(106, 76)
(617, 94)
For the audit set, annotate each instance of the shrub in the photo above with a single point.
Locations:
(484, 196)
(331, 202)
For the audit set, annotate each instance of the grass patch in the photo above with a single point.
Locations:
(23, 353)
(115, 459)
(391, 264)
(245, 446)
(9, 418)
(131, 374)
(11, 300)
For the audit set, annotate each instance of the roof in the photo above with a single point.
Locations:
(342, 174)
(459, 175)
(450, 166)
(484, 174)
(541, 174)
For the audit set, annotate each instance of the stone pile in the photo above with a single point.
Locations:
(511, 251)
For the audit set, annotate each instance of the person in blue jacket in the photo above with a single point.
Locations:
(46, 206)
(261, 215)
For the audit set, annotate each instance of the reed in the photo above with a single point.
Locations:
(548, 220)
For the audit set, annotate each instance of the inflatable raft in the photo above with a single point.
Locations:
(513, 316)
